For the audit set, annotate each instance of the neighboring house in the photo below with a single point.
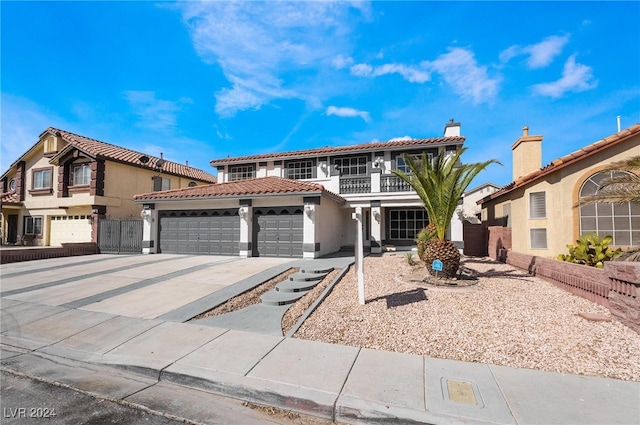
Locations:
(296, 204)
(470, 209)
(540, 205)
(60, 188)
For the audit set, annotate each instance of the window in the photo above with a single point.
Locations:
(192, 184)
(352, 166)
(538, 238)
(161, 183)
(81, 174)
(401, 164)
(406, 224)
(42, 179)
(620, 221)
(33, 225)
(12, 185)
(300, 170)
(537, 205)
(241, 172)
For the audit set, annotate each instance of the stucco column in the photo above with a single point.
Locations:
(149, 230)
(246, 227)
(309, 246)
(376, 227)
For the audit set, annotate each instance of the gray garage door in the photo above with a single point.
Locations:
(278, 232)
(213, 232)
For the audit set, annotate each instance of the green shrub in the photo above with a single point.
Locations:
(591, 250)
(424, 237)
(409, 257)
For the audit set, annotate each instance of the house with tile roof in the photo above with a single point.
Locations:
(542, 204)
(298, 203)
(60, 188)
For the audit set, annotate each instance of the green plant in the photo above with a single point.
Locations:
(424, 237)
(591, 250)
(409, 257)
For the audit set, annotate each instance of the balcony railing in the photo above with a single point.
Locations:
(393, 183)
(355, 185)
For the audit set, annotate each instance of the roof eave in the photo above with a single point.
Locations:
(324, 193)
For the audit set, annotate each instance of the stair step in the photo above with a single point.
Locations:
(314, 271)
(274, 297)
(306, 277)
(296, 286)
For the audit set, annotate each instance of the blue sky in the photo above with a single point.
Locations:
(201, 81)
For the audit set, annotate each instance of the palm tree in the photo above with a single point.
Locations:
(622, 187)
(440, 184)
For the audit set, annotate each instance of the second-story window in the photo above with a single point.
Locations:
(352, 166)
(81, 174)
(42, 179)
(401, 164)
(300, 169)
(241, 172)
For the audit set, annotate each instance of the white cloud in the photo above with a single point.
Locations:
(256, 43)
(340, 62)
(461, 71)
(576, 77)
(154, 113)
(411, 74)
(400, 139)
(348, 112)
(540, 54)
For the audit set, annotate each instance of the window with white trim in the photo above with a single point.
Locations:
(406, 224)
(241, 172)
(12, 185)
(33, 225)
(538, 238)
(300, 169)
(81, 174)
(352, 166)
(401, 164)
(161, 183)
(537, 205)
(42, 179)
(620, 221)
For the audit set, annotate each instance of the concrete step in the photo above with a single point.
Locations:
(274, 297)
(320, 270)
(296, 286)
(306, 277)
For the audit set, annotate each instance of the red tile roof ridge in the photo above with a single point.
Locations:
(345, 148)
(129, 156)
(566, 160)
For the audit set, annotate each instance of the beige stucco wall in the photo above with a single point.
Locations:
(561, 188)
(330, 226)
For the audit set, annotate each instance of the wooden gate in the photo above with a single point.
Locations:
(120, 236)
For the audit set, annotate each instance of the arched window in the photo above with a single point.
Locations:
(621, 221)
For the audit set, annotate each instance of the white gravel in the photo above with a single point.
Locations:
(508, 318)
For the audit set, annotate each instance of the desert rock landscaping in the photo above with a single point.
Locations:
(508, 318)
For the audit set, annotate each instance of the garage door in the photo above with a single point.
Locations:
(278, 232)
(212, 232)
(68, 229)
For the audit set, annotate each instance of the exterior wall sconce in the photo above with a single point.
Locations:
(310, 211)
(146, 215)
(376, 215)
(243, 213)
(379, 163)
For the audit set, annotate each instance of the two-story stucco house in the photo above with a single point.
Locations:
(60, 188)
(542, 204)
(298, 203)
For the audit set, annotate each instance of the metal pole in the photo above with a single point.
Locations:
(360, 255)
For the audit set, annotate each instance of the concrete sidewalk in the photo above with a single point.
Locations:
(345, 384)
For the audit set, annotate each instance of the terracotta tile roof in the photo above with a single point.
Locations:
(251, 187)
(566, 160)
(10, 198)
(377, 146)
(104, 150)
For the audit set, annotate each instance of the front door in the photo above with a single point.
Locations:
(12, 229)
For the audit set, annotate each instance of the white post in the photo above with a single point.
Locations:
(359, 253)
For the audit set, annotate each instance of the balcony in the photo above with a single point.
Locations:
(393, 183)
(350, 185)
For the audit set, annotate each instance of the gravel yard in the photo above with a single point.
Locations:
(508, 318)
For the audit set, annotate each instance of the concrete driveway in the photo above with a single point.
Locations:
(143, 286)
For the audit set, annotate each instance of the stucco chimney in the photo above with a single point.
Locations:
(452, 129)
(527, 154)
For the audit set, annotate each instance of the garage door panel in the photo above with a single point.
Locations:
(202, 232)
(278, 232)
(66, 229)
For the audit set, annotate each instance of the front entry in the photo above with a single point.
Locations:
(278, 232)
(12, 228)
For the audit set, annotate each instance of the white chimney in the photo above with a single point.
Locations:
(452, 129)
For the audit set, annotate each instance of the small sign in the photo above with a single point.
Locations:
(437, 265)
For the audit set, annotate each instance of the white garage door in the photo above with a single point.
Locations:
(67, 229)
